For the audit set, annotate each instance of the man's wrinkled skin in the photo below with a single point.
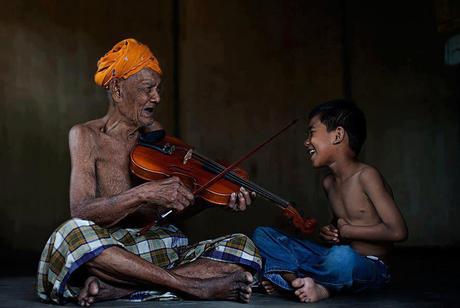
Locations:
(101, 191)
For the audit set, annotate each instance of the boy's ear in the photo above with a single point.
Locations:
(339, 135)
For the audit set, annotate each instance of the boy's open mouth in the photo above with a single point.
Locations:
(311, 152)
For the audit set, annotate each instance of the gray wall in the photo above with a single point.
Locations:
(412, 102)
(249, 68)
(48, 56)
(243, 69)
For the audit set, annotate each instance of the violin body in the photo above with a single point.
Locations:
(169, 158)
(165, 156)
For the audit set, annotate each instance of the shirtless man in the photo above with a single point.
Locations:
(366, 220)
(98, 254)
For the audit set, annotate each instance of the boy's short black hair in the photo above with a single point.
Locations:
(344, 113)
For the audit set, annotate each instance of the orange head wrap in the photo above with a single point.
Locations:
(125, 59)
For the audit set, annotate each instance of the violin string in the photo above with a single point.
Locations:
(252, 186)
(216, 167)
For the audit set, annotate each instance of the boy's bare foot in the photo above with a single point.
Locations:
(308, 291)
(236, 286)
(269, 287)
(94, 290)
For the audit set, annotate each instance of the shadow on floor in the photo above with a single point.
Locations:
(421, 277)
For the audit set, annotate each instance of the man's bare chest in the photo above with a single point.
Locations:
(112, 168)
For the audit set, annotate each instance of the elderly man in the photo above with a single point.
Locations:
(98, 255)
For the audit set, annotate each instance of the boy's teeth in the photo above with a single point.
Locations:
(311, 152)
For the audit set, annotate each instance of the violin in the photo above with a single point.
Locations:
(158, 155)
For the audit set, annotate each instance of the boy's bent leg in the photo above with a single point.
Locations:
(283, 254)
(343, 268)
(369, 273)
(334, 270)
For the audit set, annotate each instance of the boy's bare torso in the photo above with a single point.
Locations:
(349, 201)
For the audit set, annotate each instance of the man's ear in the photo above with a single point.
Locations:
(115, 89)
(339, 135)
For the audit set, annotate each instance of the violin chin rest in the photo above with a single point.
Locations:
(152, 137)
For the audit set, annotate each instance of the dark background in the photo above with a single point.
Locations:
(234, 73)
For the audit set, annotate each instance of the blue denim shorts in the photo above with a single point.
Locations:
(337, 268)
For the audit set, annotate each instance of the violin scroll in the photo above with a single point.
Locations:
(304, 225)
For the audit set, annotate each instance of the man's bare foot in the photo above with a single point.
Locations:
(308, 291)
(236, 286)
(269, 287)
(94, 290)
(206, 268)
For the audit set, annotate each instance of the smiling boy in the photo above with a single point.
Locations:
(365, 223)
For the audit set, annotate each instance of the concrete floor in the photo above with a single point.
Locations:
(421, 278)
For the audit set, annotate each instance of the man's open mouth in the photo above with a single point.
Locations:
(148, 110)
(311, 152)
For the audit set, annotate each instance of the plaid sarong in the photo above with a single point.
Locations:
(77, 241)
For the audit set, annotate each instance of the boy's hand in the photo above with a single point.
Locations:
(341, 222)
(330, 234)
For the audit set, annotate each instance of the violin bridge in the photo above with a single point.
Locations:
(187, 156)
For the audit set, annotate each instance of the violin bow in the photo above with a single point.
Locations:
(224, 172)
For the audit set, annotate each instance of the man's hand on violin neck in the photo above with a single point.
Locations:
(239, 201)
(169, 193)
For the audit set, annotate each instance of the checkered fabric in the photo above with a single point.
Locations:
(77, 241)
